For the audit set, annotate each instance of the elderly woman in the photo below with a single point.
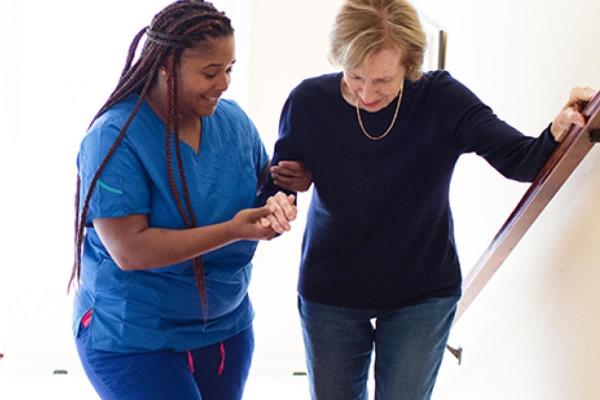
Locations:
(379, 268)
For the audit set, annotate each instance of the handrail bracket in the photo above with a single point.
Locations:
(595, 136)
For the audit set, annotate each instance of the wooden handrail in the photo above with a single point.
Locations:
(557, 169)
(553, 174)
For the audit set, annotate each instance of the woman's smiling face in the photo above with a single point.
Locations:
(376, 82)
(205, 73)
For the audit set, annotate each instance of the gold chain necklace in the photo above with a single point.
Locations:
(362, 126)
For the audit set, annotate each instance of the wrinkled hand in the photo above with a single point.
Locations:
(284, 211)
(571, 112)
(247, 224)
(291, 175)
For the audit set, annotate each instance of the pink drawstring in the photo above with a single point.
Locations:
(87, 318)
(222, 364)
(190, 361)
(221, 368)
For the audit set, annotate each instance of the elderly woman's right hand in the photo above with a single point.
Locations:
(248, 224)
(284, 212)
(264, 223)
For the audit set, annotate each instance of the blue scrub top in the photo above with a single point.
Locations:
(160, 308)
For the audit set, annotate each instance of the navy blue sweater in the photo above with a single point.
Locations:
(379, 231)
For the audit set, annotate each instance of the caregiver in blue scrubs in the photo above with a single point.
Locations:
(165, 227)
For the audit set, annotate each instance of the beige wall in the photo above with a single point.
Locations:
(531, 333)
(290, 42)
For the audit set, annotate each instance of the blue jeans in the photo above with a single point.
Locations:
(409, 345)
(216, 372)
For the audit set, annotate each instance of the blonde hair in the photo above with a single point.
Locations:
(364, 27)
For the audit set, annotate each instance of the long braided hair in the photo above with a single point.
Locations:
(181, 25)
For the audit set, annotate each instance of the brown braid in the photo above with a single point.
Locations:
(131, 52)
(183, 24)
(197, 262)
(172, 129)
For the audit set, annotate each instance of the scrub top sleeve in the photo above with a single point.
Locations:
(261, 158)
(123, 186)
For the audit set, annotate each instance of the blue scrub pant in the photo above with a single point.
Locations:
(409, 345)
(216, 372)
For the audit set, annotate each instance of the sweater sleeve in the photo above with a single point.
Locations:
(477, 129)
(287, 147)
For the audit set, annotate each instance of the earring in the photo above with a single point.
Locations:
(163, 71)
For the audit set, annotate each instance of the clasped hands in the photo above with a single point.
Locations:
(264, 223)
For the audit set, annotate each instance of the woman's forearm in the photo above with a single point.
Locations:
(156, 247)
(134, 245)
